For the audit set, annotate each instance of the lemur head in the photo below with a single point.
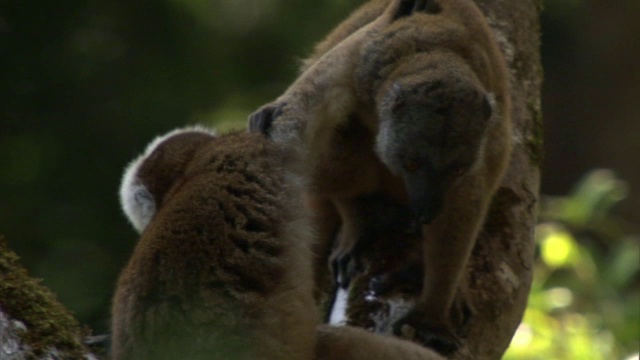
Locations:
(149, 177)
(432, 130)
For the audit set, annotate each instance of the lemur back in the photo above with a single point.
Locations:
(210, 276)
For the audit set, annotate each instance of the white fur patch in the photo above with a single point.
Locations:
(136, 201)
(159, 139)
(339, 309)
(491, 97)
(138, 204)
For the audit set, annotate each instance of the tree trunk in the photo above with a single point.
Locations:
(499, 274)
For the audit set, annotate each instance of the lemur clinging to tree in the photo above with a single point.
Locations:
(419, 111)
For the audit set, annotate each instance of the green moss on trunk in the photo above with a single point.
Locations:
(49, 324)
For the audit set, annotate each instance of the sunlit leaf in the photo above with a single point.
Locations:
(559, 297)
(558, 247)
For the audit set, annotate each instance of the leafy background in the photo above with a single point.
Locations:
(84, 85)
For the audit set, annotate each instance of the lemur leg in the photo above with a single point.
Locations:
(350, 343)
(442, 306)
(325, 221)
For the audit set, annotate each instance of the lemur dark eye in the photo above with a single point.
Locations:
(458, 170)
(398, 106)
(411, 166)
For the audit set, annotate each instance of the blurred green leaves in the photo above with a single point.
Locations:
(239, 16)
(585, 297)
(87, 84)
(591, 201)
(22, 157)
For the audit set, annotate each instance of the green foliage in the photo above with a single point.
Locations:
(585, 297)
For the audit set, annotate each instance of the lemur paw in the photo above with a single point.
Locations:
(415, 326)
(261, 120)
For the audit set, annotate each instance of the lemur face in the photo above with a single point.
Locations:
(429, 135)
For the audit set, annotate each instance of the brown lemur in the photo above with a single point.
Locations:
(210, 278)
(223, 266)
(418, 111)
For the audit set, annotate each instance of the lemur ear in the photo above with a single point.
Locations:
(137, 199)
(261, 120)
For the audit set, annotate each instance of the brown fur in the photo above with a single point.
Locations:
(454, 43)
(210, 277)
(350, 343)
(222, 269)
(359, 79)
(319, 113)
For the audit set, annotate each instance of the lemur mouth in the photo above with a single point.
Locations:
(425, 192)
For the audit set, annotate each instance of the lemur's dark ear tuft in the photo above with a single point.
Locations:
(261, 120)
(487, 108)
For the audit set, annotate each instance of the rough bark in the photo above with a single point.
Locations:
(33, 324)
(499, 274)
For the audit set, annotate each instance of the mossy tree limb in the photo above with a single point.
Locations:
(33, 324)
